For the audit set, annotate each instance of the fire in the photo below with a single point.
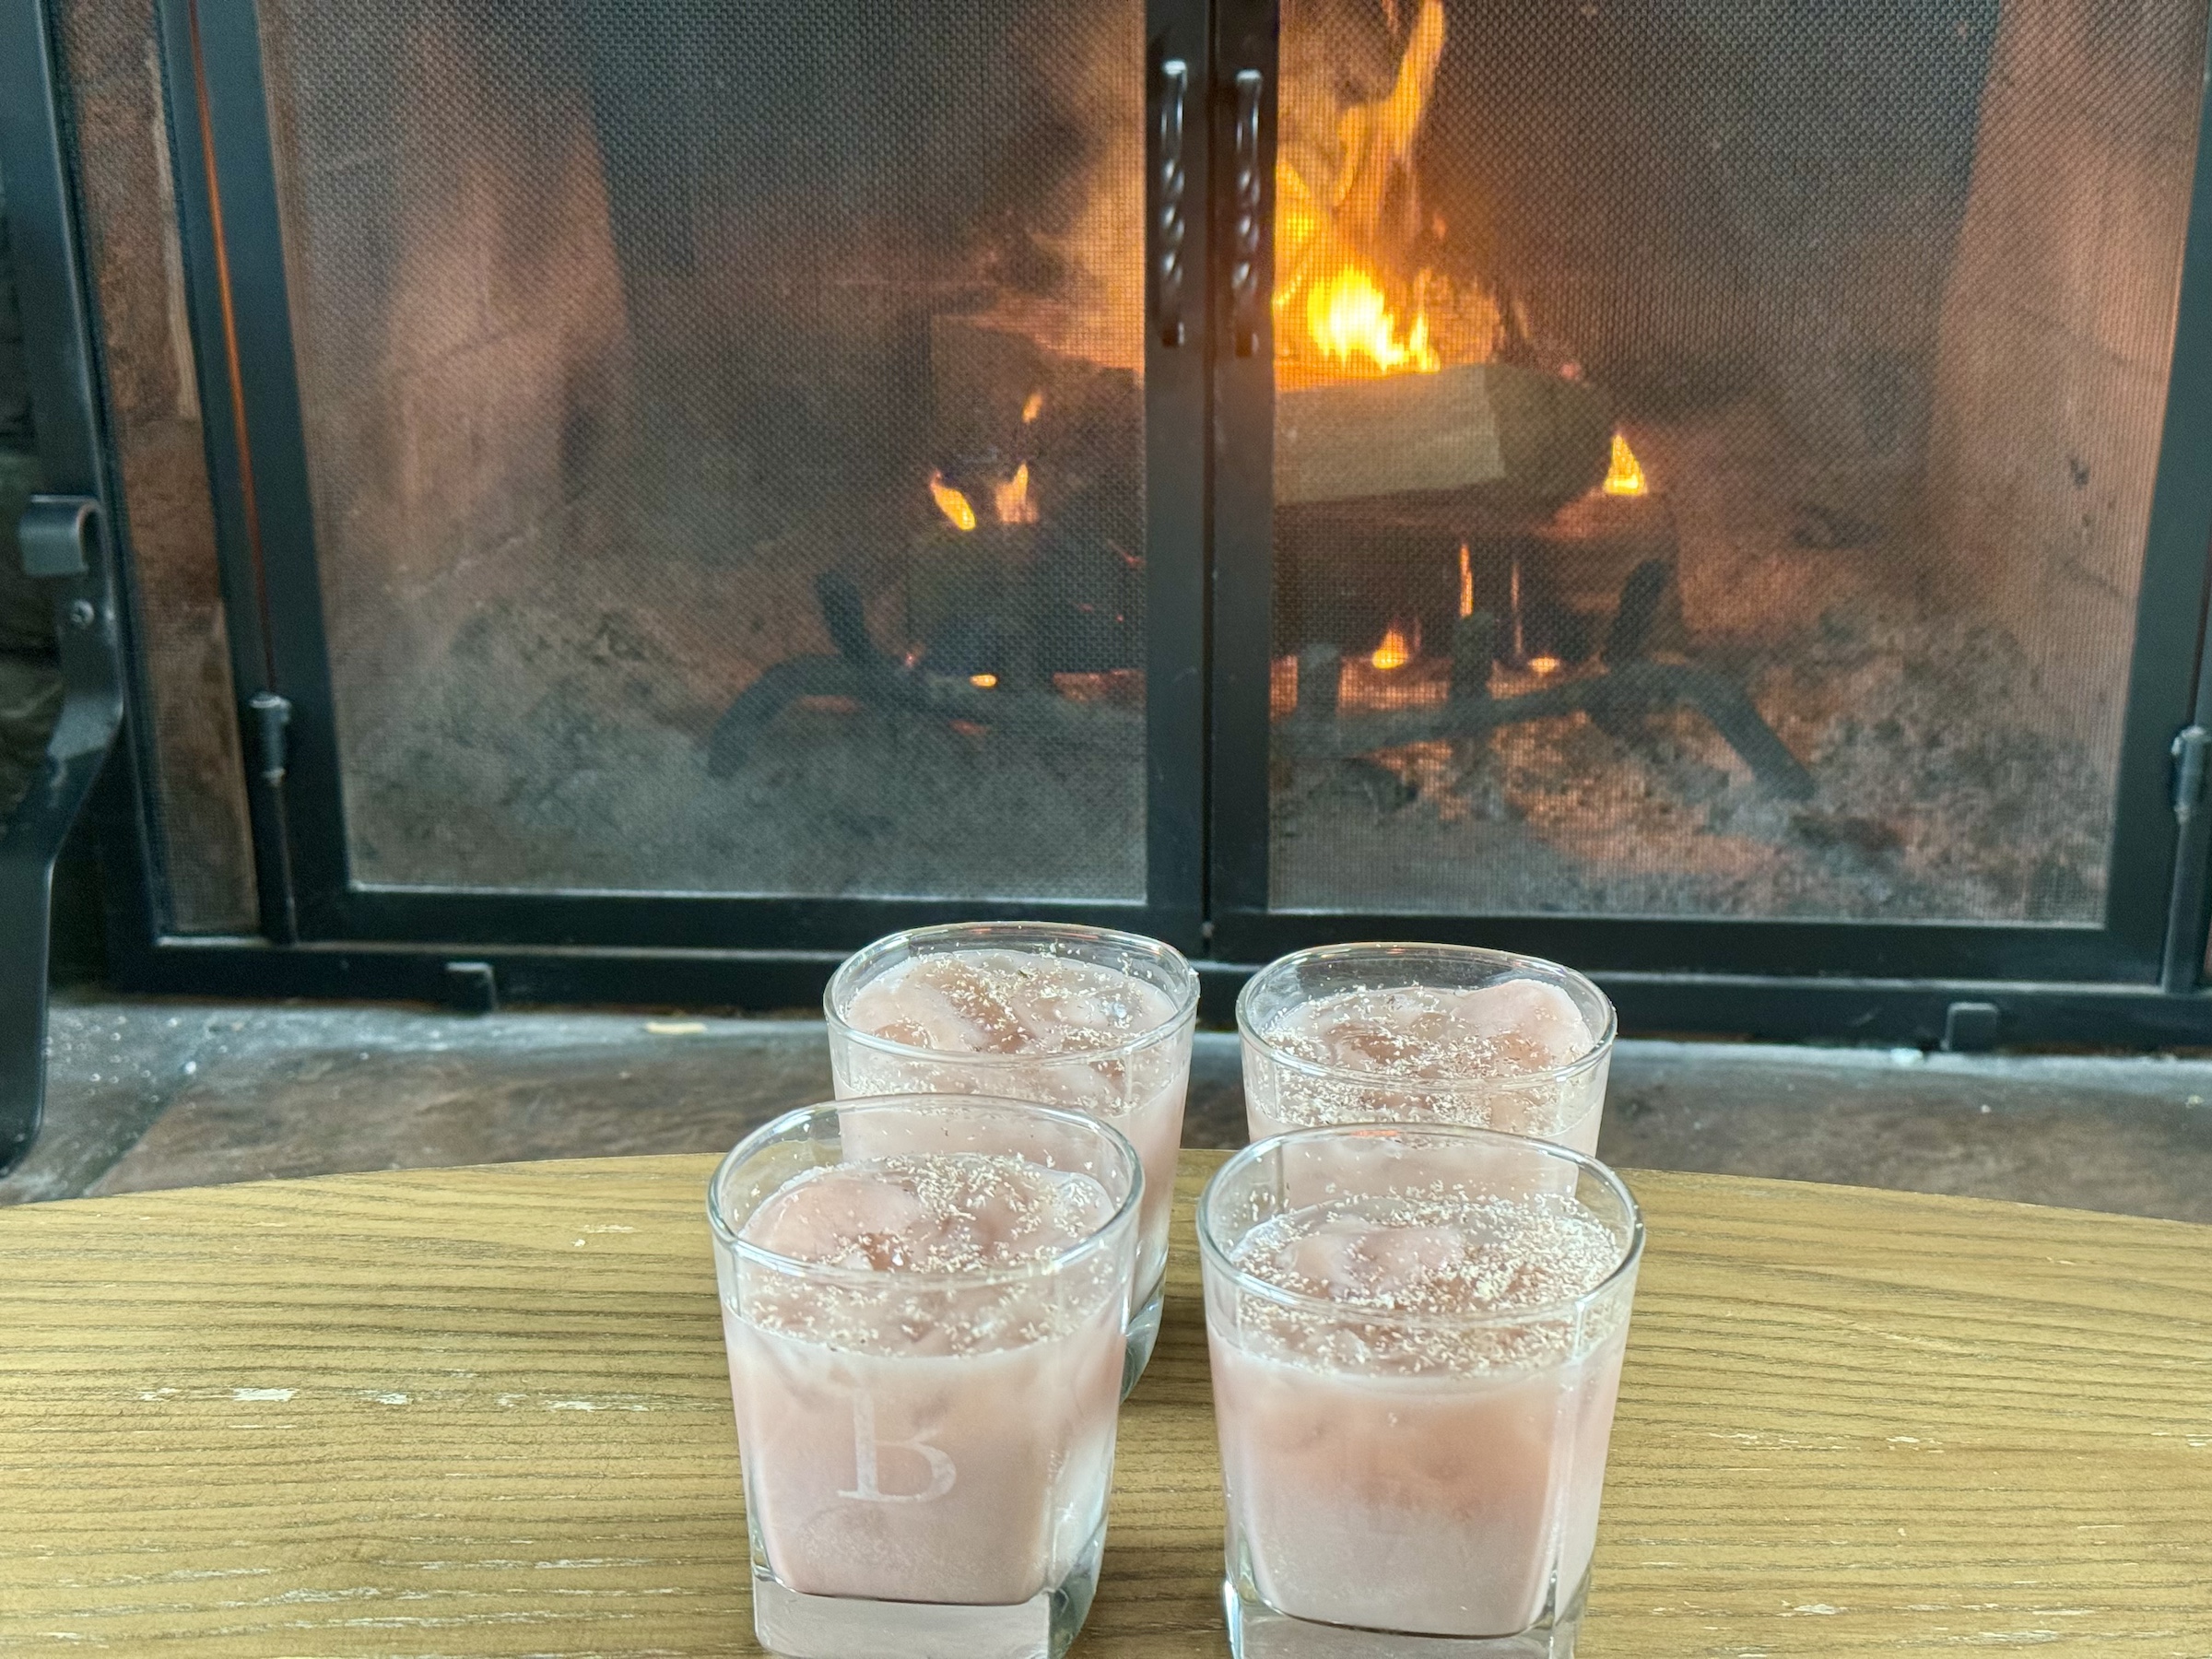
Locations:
(1354, 329)
(951, 503)
(1625, 478)
(1033, 407)
(1337, 171)
(1011, 499)
(1395, 652)
(983, 682)
(1543, 666)
(1467, 583)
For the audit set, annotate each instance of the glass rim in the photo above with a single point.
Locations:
(1215, 1257)
(1185, 1011)
(1122, 1221)
(1601, 1041)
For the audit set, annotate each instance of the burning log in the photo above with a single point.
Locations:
(1495, 438)
(1591, 546)
(999, 390)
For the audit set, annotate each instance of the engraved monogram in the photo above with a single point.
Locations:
(866, 1447)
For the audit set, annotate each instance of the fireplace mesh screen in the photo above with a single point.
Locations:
(1715, 449)
(725, 436)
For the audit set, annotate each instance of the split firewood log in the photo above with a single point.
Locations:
(1500, 436)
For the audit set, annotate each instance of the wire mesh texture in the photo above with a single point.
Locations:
(726, 437)
(1818, 350)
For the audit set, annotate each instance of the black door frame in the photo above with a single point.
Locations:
(236, 269)
(2126, 950)
(1209, 435)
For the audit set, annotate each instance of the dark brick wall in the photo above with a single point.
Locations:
(2057, 337)
(127, 207)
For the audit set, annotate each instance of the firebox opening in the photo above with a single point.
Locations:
(1754, 414)
(739, 411)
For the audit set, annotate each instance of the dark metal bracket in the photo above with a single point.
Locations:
(63, 542)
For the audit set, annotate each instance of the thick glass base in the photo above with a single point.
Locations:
(1144, 1332)
(841, 1626)
(1258, 1632)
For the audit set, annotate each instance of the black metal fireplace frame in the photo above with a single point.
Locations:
(235, 264)
(2136, 978)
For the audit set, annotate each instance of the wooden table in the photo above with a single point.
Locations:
(484, 1411)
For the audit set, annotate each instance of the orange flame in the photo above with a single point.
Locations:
(1543, 666)
(1395, 652)
(1467, 583)
(1334, 194)
(983, 682)
(1011, 499)
(951, 503)
(1033, 407)
(1625, 477)
(1354, 328)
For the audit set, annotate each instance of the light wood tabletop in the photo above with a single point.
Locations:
(484, 1411)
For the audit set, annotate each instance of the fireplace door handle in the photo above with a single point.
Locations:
(1172, 227)
(1244, 231)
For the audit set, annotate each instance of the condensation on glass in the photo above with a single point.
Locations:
(1773, 396)
(726, 439)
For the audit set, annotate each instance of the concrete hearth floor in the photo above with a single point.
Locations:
(148, 1094)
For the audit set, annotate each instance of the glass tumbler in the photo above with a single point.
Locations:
(1081, 1018)
(1417, 1335)
(924, 1301)
(1425, 1034)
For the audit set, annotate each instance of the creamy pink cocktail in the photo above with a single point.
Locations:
(925, 1350)
(1414, 1383)
(1425, 1033)
(1090, 1021)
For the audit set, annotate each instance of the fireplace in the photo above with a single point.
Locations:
(633, 501)
(1824, 352)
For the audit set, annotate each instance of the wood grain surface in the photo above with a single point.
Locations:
(484, 1412)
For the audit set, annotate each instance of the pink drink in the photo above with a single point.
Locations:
(1413, 1382)
(1027, 1025)
(1517, 1054)
(926, 1425)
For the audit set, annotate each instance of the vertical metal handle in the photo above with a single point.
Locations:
(1244, 231)
(1172, 227)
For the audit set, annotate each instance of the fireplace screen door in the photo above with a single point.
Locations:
(724, 438)
(1714, 453)
(1694, 490)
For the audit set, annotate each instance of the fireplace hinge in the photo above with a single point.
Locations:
(272, 717)
(2189, 751)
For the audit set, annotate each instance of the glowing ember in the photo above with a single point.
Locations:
(1032, 409)
(951, 503)
(1353, 328)
(1625, 478)
(1011, 499)
(1467, 583)
(983, 682)
(1543, 666)
(1394, 653)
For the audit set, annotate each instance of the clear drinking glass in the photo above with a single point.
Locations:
(1081, 1018)
(1417, 1335)
(1425, 1034)
(925, 1416)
